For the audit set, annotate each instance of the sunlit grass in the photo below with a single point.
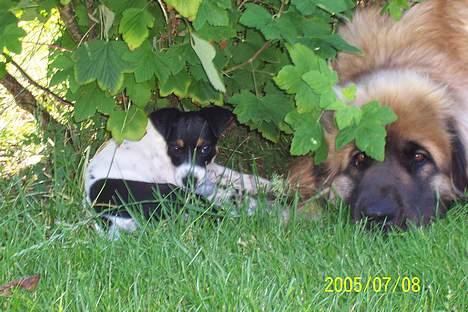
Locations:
(245, 263)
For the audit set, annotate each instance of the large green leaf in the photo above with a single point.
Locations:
(10, 33)
(206, 53)
(308, 133)
(139, 93)
(310, 79)
(89, 99)
(213, 12)
(130, 125)
(369, 134)
(265, 114)
(186, 8)
(149, 63)
(272, 28)
(134, 26)
(105, 62)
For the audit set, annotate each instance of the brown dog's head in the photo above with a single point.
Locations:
(424, 167)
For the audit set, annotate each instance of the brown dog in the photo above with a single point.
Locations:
(419, 67)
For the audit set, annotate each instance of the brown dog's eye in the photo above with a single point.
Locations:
(419, 157)
(359, 159)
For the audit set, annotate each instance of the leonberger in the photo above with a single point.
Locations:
(418, 66)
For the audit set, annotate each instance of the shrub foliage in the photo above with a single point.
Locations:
(266, 59)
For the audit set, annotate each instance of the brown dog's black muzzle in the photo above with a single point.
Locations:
(378, 197)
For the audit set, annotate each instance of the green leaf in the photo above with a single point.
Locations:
(149, 63)
(334, 6)
(10, 33)
(306, 7)
(382, 114)
(89, 99)
(206, 53)
(255, 16)
(370, 132)
(212, 12)
(308, 133)
(349, 92)
(134, 26)
(258, 17)
(310, 79)
(186, 8)
(130, 125)
(396, 8)
(139, 93)
(3, 71)
(104, 62)
(203, 93)
(266, 114)
(370, 138)
(177, 84)
(345, 136)
(348, 116)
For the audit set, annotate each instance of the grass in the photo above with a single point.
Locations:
(246, 263)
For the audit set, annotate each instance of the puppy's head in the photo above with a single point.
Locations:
(191, 139)
(424, 167)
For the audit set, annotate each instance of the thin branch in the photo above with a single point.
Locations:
(91, 20)
(67, 14)
(37, 85)
(249, 61)
(25, 99)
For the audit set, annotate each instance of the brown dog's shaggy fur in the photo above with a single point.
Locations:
(419, 67)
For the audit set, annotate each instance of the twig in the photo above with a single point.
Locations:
(25, 100)
(91, 20)
(67, 14)
(37, 85)
(249, 61)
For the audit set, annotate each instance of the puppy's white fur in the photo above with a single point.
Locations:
(147, 160)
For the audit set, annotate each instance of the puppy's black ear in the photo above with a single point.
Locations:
(163, 119)
(459, 177)
(218, 119)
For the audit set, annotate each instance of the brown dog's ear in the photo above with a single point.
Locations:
(218, 119)
(458, 170)
(163, 119)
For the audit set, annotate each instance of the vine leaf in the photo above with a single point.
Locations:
(134, 26)
(213, 12)
(310, 79)
(10, 33)
(129, 125)
(140, 93)
(265, 114)
(308, 133)
(186, 8)
(104, 62)
(370, 133)
(149, 63)
(257, 17)
(206, 53)
(90, 98)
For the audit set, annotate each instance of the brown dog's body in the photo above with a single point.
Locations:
(419, 67)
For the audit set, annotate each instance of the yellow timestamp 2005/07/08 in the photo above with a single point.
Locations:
(357, 284)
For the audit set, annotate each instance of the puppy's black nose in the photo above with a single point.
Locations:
(189, 180)
(382, 211)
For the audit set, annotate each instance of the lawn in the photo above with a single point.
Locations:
(201, 263)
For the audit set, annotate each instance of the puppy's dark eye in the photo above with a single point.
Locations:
(176, 148)
(359, 159)
(205, 149)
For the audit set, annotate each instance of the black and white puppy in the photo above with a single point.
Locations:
(177, 151)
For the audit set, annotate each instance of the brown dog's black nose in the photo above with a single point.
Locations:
(381, 211)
